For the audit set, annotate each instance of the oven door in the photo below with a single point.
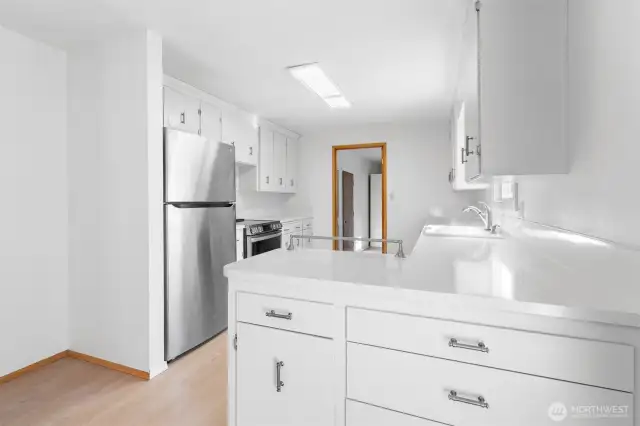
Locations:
(263, 243)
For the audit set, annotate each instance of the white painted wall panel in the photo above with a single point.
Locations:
(33, 219)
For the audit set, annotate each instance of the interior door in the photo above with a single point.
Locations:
(200, 241)
(306, 392)
(347, 210)
(375, 208)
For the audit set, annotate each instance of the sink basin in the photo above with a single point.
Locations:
(459, 232)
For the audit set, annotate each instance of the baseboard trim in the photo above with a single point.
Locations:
(32, 367)
(76, 355)
(108, 364)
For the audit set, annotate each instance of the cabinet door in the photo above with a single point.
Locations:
(291, 184)
(247, 141)
(181, 112)
(266, 180)
(280, 161)
(303, 395)
(210, 126)
(469, 139)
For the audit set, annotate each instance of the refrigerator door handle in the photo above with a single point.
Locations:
(201, 205)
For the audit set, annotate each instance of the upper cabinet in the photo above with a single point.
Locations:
(277, 171)
(291, 181)
(265, 176)
(210, 122)
(181, 112)
(238, 128)
(190, 110)
(512, 83)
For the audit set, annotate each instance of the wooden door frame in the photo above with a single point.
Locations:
(334, 178)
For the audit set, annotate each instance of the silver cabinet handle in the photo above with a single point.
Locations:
(182, 118)
(279, 383)
(480, 347)
(292, 182)
(480, 402)
(462, 155)
(466, 146)
(273, 314)
(267, 179)
(280, 181)
(250, 150)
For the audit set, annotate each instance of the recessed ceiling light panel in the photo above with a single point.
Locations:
(312, 76)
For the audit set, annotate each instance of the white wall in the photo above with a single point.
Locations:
(115, 200)
(417, 187)
(599, 197)
(33, 219)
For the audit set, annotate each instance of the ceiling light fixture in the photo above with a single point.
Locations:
(312, 76)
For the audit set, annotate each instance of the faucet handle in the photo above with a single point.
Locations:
(485, 205)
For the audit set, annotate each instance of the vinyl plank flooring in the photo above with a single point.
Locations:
(72, 392)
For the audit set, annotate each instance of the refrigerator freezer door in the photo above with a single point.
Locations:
(200, 241)
(197, 169)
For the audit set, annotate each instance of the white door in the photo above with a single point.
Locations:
(375, 207)
(181, 112)
(291, 184)
(283, 378)
(280, 161)
(266, 180)
(210, 126)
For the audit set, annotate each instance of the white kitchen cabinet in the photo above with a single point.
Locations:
(359, 414)
(283, 378)
(238, 129)
(469, 395)
(464, 167)
(239, 243)
(266, 179)
(291, 181)
(513, 85)
(280, 161)
(210, 122)
(181, 112)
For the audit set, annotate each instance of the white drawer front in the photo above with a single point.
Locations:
(359, 414)
(595, 363)
(286, 314)
(421, 386)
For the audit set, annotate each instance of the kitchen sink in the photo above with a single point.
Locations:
(459, 231)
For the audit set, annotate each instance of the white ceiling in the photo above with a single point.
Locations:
(394, 60)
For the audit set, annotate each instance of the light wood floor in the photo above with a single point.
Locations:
(71, 392)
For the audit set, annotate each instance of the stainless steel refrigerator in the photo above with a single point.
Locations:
(200, 214)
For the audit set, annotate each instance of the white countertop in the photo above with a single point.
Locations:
(488, 274)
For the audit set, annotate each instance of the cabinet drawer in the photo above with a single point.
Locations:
(286, 314)
(359, 414)
(590, 362)
(422, 386)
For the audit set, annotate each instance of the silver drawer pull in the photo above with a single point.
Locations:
(273, 314)
(480, 402)
(480, 347)
(279, 383)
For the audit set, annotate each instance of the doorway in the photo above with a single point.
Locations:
(359, 205)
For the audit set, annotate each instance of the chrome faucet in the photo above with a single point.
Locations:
(485, 216)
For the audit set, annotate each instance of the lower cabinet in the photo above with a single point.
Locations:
(359, 414)
(463, 394)
(283, 378)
